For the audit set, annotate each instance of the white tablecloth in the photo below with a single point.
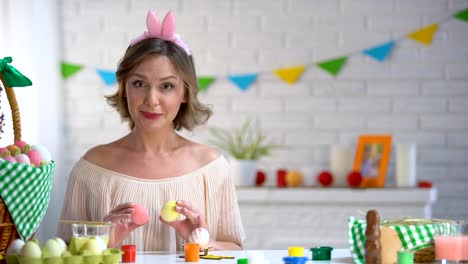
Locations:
(339, 256)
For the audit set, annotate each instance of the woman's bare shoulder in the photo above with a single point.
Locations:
(206, 154)
(101, 154)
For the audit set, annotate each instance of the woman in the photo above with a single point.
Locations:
(153, 164)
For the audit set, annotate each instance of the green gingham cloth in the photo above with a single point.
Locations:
(412, 237)
(25, 190)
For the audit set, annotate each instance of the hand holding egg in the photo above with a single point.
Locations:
(200, 236)
(168, 212)
(191, 226)
(140, 216)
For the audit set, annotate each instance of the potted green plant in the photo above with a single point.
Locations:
(246, 146)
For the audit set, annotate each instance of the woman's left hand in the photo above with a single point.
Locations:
(193, 219)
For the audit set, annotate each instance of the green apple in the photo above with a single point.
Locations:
(168, 212)
(31, 249)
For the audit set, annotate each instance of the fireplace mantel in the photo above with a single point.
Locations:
(275, 218)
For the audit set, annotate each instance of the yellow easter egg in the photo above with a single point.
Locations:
(168, 212)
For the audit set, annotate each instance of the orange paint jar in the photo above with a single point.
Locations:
(192, 252)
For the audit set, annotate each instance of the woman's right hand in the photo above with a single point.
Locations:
(122, 226)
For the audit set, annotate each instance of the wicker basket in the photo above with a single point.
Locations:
(8, 231)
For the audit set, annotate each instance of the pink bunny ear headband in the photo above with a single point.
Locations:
(165, 31)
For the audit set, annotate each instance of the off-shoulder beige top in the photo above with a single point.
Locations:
(93, 191)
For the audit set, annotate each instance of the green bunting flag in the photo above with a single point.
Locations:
(462, 15)
(204, 82)
(333, 66)
(69, 69)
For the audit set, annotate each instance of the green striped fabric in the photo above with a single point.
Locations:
(25, 190)
(413, 237)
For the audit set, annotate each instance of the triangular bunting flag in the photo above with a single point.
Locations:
(424, 35)
(290, 75)
(243, 81)
(333, 66)
(380, 52)
(69, 69)
(462, 15)
(108, 77)
(204, 82)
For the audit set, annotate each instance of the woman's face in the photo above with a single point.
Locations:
(154, 92)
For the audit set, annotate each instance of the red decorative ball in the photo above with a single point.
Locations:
(425, 184)
(261, 178)
(354, 179)
(325, 178)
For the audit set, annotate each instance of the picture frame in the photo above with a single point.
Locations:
(372, 158)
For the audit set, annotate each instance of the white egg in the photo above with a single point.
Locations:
(15, 246)
(200, 236)
(45, 154)
(23, 158)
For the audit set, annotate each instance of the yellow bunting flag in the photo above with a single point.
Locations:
(290, 75)
(424, 35)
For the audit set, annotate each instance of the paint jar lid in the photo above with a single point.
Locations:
(242, 261)
(128, 247)
(405, 257)
(294, 260)
(321, 253)
(296, 251)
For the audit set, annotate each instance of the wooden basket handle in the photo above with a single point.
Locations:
(15, 113)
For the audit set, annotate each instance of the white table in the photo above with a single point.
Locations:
(339, 256)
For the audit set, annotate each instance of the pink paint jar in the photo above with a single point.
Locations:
(451, 241)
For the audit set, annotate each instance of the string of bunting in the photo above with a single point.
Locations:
(291, 75)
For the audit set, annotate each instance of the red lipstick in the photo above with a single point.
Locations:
(150, 115)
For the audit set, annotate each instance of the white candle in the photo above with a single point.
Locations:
(341, 163)
(406, 165)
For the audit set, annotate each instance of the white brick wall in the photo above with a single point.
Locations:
(419, 95)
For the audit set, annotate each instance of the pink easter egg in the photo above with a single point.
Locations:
(10, 158)
(22, 158)
(20, 144)
(34, 157)
(2, 150)
(140, 215)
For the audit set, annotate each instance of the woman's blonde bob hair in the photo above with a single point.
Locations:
(192, 113)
